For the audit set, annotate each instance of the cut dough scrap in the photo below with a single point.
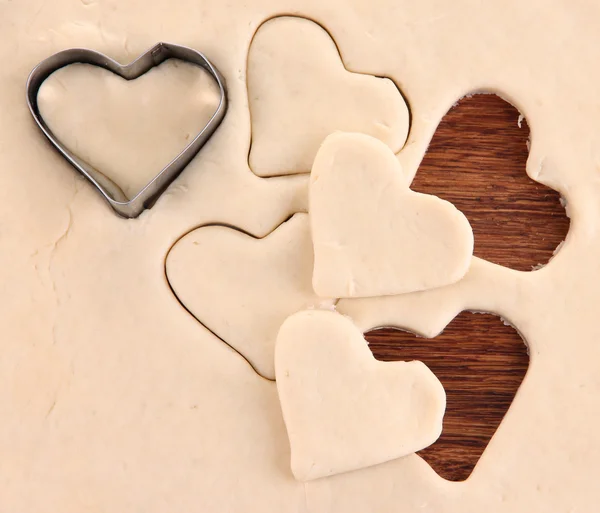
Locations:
(128, 145)
(243, 288)
(300, 92)
(372, 235)
(343, 409)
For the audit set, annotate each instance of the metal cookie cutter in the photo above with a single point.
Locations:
(156, 55)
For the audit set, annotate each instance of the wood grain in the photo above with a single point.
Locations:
(477, 161)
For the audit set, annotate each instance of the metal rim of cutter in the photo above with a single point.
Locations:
(128, 208)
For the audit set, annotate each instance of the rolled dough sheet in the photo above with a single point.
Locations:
(114, 398)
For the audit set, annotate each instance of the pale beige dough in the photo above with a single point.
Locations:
(300, 92)
(114, 398)
(343, 409)
(372, 235)
(243, 288)
(138, 126)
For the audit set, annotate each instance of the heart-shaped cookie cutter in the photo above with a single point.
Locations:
(159, 53)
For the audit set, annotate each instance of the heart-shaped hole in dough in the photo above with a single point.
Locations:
(481, 362)
(476, 161)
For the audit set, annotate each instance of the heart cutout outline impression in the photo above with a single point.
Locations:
(241, 287)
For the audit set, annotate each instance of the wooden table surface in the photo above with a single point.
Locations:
(477, 161)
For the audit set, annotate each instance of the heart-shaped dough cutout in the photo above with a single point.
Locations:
(372, 235)
(300, 92)
(343, 409)
(111, 123)
(243, 288)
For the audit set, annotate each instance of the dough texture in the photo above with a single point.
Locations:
(138, 126)
(113, 398)
(343, 409)
(243, 288)
(300, 92)
(372, 235)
